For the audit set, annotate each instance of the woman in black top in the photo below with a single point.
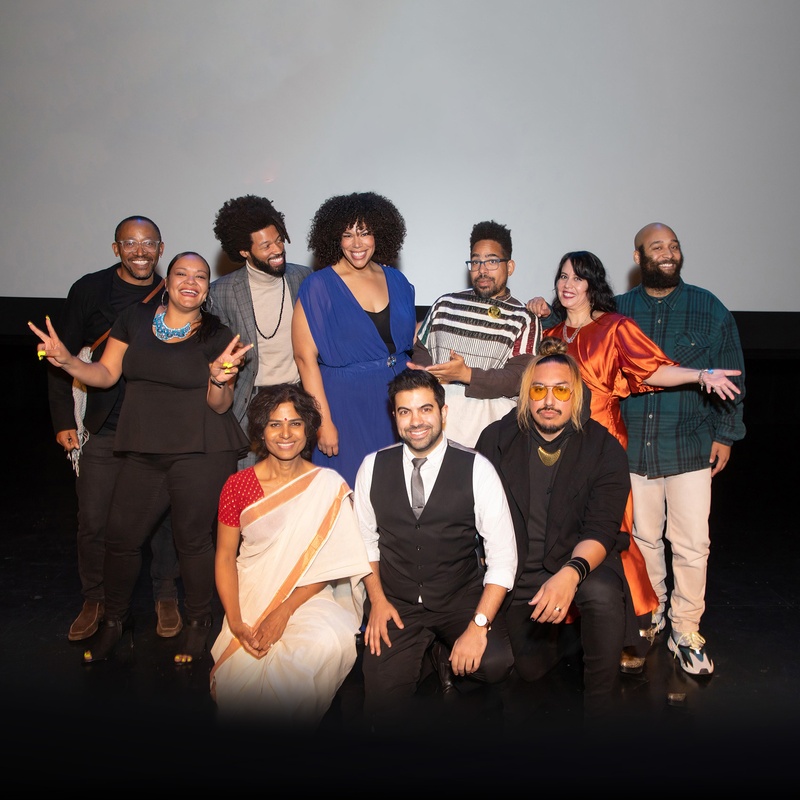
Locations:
(178, 437)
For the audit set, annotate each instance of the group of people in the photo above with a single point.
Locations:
(268, 434)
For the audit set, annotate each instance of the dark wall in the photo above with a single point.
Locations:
(755, 489)
(763, 333)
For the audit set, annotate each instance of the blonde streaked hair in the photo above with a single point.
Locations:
(551, 351)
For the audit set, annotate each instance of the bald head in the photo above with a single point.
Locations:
(657, 229)
(658, 254)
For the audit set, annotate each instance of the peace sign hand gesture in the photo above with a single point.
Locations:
(225, 366)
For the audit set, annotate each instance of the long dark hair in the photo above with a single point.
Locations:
(589, 267)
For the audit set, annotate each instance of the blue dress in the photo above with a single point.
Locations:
(356, 364)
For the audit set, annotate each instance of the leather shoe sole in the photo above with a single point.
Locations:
(86, 622)
(631, 664)
(169, 619)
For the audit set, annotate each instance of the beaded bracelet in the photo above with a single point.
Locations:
(701, 379)
(581, 566)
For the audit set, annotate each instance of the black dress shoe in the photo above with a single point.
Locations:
(441, 663)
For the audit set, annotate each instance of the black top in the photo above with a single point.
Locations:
(93, 303)
(165, 408)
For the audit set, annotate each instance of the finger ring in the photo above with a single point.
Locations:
(558, 608)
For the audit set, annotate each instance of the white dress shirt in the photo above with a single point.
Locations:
(492, 515)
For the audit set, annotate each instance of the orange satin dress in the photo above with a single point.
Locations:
(615, 357)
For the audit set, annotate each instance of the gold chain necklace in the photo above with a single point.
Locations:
(548, 459)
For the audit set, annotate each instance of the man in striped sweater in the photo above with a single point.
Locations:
(479, 341)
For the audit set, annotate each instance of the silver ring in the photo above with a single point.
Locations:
(557, 608)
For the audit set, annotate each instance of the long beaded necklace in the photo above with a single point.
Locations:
(164, 332)
(280, 315)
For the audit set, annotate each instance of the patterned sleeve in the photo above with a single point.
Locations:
(240, 490)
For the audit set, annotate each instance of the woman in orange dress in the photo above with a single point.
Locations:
(617, 359)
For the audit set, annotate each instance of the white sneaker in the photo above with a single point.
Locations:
(690, 650)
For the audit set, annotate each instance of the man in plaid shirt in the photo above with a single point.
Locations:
(679, 438)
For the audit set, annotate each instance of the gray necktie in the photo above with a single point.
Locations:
(417, 489)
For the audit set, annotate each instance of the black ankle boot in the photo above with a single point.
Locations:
(110, 633)
(195, 641)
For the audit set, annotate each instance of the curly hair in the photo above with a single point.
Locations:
(267, 400)
(494, 232)
(341, 212)
(551, 351)
(242, 216)
(589, 267)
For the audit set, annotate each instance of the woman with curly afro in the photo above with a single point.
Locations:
(353, 326)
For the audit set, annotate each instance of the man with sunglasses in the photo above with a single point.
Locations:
(566, 480)
(93, 303)
(478, 342)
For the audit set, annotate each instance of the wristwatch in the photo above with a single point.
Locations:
(482, 621)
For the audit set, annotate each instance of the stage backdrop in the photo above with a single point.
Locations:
(575, 123)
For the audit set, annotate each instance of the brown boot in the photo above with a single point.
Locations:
(169, 618)
(86, 623)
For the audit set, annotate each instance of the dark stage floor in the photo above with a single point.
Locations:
(140, 721)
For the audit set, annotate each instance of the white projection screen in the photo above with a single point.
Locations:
(574, 123)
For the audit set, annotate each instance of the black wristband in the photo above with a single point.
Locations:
(581, 566)
(217, 383)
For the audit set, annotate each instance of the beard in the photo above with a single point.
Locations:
(550, 426)
(421, 445)
(494, 290)
(265, 266)
(653, 277)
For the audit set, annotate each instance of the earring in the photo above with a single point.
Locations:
(208, 303)
(164, 298)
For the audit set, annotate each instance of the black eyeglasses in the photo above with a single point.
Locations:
(129, 245)
(491, 264)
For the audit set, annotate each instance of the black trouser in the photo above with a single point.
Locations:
(98, 471)
(601, 602)
(148, 485)
(391, 679)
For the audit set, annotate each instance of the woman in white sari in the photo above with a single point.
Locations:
(289, 565)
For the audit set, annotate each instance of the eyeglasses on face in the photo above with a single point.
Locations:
(129, 245)
(491, 264)
(538, 391)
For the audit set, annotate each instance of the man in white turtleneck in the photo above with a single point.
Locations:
(257, 300)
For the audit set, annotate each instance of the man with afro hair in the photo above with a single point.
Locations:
(257, 299)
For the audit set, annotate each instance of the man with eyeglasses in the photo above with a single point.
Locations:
(478, 342)
(93, 303)
(257, 299)
(566, 481)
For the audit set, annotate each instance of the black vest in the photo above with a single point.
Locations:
(432, 557)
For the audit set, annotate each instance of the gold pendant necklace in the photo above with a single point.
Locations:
(548, 459)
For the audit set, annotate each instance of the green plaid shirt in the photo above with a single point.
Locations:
(671, 431)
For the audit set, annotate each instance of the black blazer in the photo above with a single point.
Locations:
(589, 493)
